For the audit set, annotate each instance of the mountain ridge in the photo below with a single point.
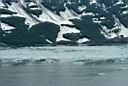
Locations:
(39, 22)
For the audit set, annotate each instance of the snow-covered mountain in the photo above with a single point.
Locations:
(38, 22)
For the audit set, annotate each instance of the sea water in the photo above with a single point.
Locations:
(64, 66)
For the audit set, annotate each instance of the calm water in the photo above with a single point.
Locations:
(67, 72)
(64, 75)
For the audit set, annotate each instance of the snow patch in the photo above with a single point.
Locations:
(107, 33)
(64, 30)
(31, 4)
(123, 31)
(82, 8)
(48, 15)
(5, 15)
(1, 4)
(96, 20)
(119, 2)
(88, 13)
(6, 26)
(93, 1)
(83, 40)
(16, 7)
(68, 14)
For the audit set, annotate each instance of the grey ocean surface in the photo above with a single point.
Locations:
(69, 71)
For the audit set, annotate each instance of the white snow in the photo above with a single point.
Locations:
(5, 15)
(125, 12)
(63, 18)
(104, 7)
(93, 1)
(107, 33)
(64, 30)
(96, 20)
(124, 30)
(16, 7)
(48, 15)
(88, 13)
(1, 4)
(119, 2)
(69, 14)
(6, 26)
(110, 34)
(48, 41)
(35, 8)
(31, 4)
(82, 8)
(102, 18)
(126, 6)
(83, 40)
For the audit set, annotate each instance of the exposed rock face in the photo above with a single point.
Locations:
(38, 22)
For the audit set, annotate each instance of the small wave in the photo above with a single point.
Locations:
(72, 50)
(123, 68)
(101, 74)
(17, 62)
(98, 74)
(103, 61)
